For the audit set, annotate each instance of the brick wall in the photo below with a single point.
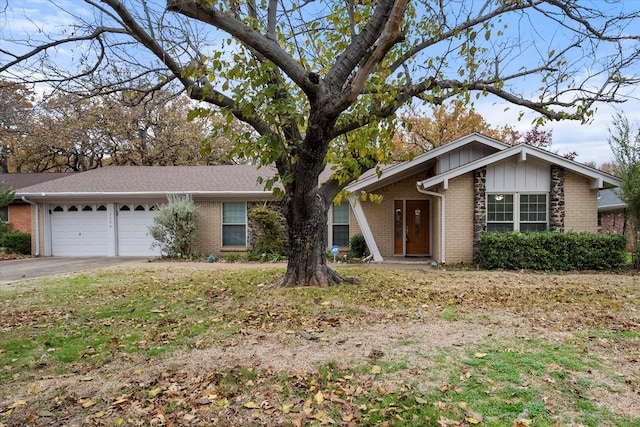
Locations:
(581, 204)
(20, 218)
(459, 220)
(616, 222)
(209, 223)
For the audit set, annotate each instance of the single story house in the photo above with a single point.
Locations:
(435, 206)
(18, 213)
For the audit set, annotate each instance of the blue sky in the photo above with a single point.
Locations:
(589, 141)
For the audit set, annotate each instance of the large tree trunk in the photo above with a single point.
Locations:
(306, 214)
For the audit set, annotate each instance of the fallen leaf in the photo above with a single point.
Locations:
(88, 403)
(251, 405)
(16, 404)
(319, 397)
(34, 389)
(287, 407)
(480, 355)
(155, 391)
(375, 369)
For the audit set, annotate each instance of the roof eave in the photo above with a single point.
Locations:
(599, 179)
(143, 194)
(425, 157)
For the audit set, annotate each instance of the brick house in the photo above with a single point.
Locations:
(612, 215)
(439, 204)
(18, 213)
(435, 206)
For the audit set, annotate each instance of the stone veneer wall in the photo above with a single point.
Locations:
(557, 200)
(479, 208)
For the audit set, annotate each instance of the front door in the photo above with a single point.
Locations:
(411, 227)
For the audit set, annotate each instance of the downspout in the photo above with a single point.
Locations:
(442, 219)
(24, 199)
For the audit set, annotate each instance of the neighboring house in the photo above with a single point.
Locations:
(18, 213)
(435, 206)
(612, 215)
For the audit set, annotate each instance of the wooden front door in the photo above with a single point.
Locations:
(411, 227)
(417, 227)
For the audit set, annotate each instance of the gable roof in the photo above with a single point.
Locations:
(119, 181)
(405, 169)
(598, 178)
(16, 181)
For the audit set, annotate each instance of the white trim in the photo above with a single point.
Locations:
(517, 201)
(361, 218)
(222, 224)
(137, 194)
(418, 160)
(600, 178)
(442, 220)
(330, 225)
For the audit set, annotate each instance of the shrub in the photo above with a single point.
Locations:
(174, 228)
(270, 235)
(4, 227)
(16, 242)
(551, 251)
(358, 246)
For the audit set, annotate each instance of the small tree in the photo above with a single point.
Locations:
(174, 227)
(625, 144)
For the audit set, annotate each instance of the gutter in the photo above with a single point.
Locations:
(146, 193)
(24, 199)
(442, 220)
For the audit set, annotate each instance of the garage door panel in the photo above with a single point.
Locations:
(77, 232)
(134, 238)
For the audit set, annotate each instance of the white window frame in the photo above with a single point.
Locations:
(223, 224)
(516, 209)
(331, 223)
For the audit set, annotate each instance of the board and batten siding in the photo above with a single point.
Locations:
(463, 155)
(512, 175)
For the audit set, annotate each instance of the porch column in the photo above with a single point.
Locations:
(479, 208)
(356, 205)
(556, 202)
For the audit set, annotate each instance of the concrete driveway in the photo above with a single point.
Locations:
(20, 269)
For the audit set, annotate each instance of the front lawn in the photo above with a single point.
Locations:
(198, 345)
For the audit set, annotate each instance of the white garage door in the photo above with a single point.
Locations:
(134, 238)
(79, 230)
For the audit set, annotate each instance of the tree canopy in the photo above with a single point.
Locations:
(321, 82)
(67, 132)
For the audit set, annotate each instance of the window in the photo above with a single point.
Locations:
(340, 225)
(519, 212)
(4, 213)
(234, 224)
(500, 212)
(533, 212)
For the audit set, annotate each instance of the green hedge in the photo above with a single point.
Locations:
(551, 251)
(16, 243)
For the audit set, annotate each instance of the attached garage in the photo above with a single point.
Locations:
(79, 230)
(108, 229)
(134, 238)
